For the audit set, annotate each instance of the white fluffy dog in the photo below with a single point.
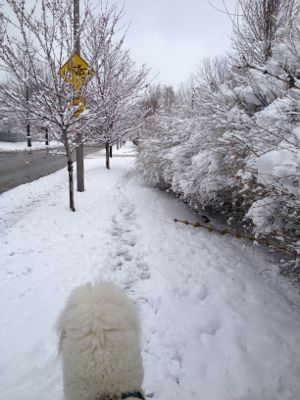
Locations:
(100, 346)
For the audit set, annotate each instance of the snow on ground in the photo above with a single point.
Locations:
(21, 146)
(218, 321)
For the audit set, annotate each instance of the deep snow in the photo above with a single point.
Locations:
(218, 321)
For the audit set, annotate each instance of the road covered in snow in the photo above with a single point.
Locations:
(218, 322)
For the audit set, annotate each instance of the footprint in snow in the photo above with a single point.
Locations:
(143, 270)
(209, 328)
(115, 233)
(122, 253)
(128, 257)
(128, 215)
(175, 366)
(118, 266)
(129, 240)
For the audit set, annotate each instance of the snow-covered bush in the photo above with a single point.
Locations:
(161, 136)
(275, 211)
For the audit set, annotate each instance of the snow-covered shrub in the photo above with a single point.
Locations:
(159, 140)
(197, 154)
(230, 140)
(275, 211)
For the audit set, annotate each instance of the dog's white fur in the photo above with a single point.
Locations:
(99, 342)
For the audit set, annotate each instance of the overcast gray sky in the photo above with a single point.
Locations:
(172, 36)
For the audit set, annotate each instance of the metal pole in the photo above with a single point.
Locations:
(79, 149)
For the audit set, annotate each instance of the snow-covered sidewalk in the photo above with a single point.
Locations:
(218, 321)
(22, 146)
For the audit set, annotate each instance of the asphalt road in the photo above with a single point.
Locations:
(20, 167)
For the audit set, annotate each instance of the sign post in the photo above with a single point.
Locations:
(79, 148)
(75, 71)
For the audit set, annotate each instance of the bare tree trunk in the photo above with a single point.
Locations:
(70, 172)
(110, 151)
(46, 136)
(118, 143)
(28, 135)
(71, 183)
(107, 155)
(27, 119)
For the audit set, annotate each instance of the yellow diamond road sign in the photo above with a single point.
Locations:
(75, 71)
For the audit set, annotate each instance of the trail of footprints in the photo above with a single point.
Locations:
(124, 232)
(129, 259)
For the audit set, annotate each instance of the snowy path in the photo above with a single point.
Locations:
(217, 324)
